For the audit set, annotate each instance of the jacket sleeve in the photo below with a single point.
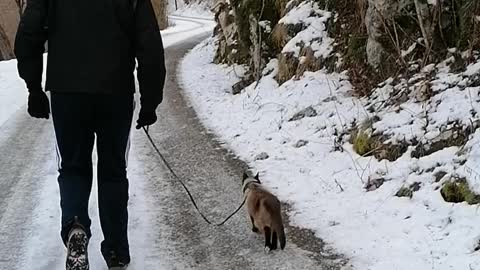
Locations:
(150, 56)
(30, 43)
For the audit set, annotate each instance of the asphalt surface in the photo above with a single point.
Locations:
(165, 231)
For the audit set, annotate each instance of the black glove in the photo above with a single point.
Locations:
(38, 104)
(146, 117)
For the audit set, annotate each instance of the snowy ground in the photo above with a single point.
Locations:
(184, 28)
(301, 161)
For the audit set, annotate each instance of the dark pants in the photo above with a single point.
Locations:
(77, 119)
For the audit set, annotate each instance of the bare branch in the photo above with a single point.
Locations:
(422, 25)
(340, 186)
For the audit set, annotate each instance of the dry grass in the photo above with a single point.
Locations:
(363, 143)
(287, 66)
(309, 62)
(280, 36)
(6, 51)
(281, 5)
(457, 191)
(361, 10)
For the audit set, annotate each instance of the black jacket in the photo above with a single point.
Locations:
(92, 46)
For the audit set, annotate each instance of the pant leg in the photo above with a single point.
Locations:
(114, 119)
(73, 123)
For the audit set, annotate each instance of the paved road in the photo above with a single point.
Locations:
(165, 230)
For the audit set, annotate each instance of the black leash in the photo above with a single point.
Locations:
(185, 187)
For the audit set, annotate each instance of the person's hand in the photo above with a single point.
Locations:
(146, 117)
(38, 104)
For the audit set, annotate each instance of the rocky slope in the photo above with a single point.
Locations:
(363, 114)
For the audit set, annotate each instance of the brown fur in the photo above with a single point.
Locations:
(265, 212)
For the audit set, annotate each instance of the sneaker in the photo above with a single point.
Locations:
(115, 263)
(77, 256)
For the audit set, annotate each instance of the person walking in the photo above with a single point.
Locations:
(92, 48)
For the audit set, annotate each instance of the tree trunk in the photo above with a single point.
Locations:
(6, 51)
(160, 7)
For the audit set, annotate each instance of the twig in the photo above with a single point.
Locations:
(420, 22)
(396, 45)
(439, 21)
(366, 167)
(471, 100)
(335, 103)
(372, 151)
(338, 184)
(397, 40)
(258, 68)
(355, 165)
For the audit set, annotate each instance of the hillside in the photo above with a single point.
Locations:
(363, 115)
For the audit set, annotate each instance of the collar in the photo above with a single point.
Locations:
(245, 185)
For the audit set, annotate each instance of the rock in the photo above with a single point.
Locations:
(229, 49)
(455, 136)
(374, 184)
(415, 186)
(375, 52)
(307, 112)
(301, 143)
(238, 87)
(391, 152)
(375, 16)
(439, 175)
(474, 81)
(408, 191)
(404, 192)
(477, 246)
(262, 156)
(333, 223)
(330, 99)
(423, 92)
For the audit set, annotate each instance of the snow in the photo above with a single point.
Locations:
(185, 28)
(325, 179)
(195, 9)
(472, 69)
(314, 34)
(13, 93)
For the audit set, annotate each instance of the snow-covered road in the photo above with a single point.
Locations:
(165, 232)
